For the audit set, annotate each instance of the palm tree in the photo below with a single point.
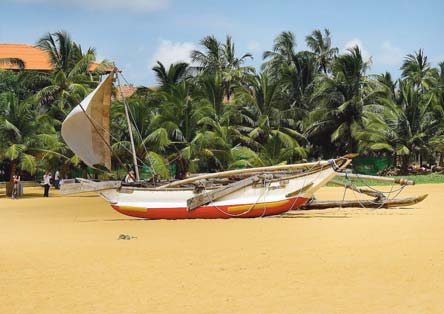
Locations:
(341, 100)
(386, 81)
(404, 126)
(320, 45)
(283, 52)
(211, 88)
(438, 91)
(174, 124)
(65, 55)
(263, 92)
(220, 59)
(211, 59)
(274, 141)
(175, 74)
(295, 71)
(71, 80)
(26, 135)
(417, 70)
(297, 81)
(63, 94)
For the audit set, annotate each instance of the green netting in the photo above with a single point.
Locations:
(371, 165)
(146, 173)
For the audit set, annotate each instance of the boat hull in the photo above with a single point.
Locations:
(214, 212)
(255, 200)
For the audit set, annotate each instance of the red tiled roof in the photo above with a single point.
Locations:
(33, 57)
(126, 90)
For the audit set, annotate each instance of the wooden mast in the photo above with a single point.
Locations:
(130, 130)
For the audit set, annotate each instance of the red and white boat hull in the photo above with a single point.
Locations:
(212, 212)
(251, 201)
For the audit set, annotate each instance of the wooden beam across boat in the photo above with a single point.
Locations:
(400, 202)
(208, 197)
(85, 185)
(249, 171)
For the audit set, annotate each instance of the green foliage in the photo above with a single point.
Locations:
(220, 113)
(158, 164)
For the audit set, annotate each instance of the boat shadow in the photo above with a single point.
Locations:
(112, 220)
(308, 216)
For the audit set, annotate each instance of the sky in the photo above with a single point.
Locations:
(136, 33)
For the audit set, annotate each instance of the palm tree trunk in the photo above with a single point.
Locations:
(405, 164)
(352, 143)
(181, 168)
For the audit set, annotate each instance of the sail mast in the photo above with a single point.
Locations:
(130, 130)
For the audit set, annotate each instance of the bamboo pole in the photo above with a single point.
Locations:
(399, 181)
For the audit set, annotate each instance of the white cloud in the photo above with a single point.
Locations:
(390, 54)
(170, 52)
(253, 45)
(136, 6)
(357, 42)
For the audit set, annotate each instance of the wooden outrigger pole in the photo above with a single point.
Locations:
(379, 201)
(400, 181)
(408, 201)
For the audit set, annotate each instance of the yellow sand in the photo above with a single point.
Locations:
(62, 255)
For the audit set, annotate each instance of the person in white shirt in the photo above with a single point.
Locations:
(46, 183)
(130, 177)
(57, 180)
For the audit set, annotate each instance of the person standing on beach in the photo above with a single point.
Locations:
(57, 180)
(15, 186)
(46, 183)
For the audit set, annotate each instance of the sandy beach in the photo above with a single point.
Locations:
(62, 255)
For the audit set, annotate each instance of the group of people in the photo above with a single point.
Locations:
(47, 182)
(47, 178)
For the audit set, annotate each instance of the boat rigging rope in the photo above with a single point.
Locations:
(107, 132)
(266, 185)
(133, 120)
(381, 203)
(95, 125)
(236, 215)
(303, 185)
(137, 128)
(376, 190)
(139, 133)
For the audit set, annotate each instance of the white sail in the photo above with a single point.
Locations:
(81, 128)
